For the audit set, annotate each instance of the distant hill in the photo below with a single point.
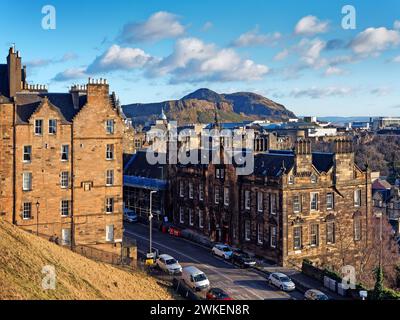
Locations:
(24, 255)
(199, 107)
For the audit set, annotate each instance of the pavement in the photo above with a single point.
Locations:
(240, 284)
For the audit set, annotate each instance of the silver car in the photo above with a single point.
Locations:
(282, 281)
(168, 264)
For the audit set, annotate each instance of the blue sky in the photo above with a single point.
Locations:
(294, 52)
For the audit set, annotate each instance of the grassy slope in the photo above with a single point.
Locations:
(22, 257)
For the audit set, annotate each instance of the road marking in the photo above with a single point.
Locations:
(196, 261)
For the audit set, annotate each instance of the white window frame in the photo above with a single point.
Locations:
(28, 154)
(314, 235)
(110, 205)
(109, 177)
(64, 179)
(297, 237)
(110, 126)
(273, 202)
(273, 237)
(314, 178)
(191, 220)
(52, 126)
(226, 196)
(38, 129)
(181, 190)
(216, 195)
(312, 207)
(201, 192)
(110, 152)
(247, 230)
(357, 198)
(65, 152)
(65, 206)
(330, 204)
(191, 193)
(260, 233)
(27, 211)
(260, 201)
(110, 233)
(357, 229)
(297, 204)
(291, 179)
(201, 219)
(247, 200)
(27, 181)
(330, 232)
(181, 215)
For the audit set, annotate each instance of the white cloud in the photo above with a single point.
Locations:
(254, 38)
(161, 25)
(333, 71)
(207, 26)
(396, 25)
(281, 55)
(194, 61)
(71, 74)
(118, 58)
(318, 93)
(311, 25)
(310, 52)
(396, 59)
(381, 91)
(372, 41)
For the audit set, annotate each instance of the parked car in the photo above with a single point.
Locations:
(195, 278)
(168, 264)
(242, 259)
(314, 294)
(281, 281)
(130, 216)
(217, 294)
(223, 251)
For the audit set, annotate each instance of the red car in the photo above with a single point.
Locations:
(217, 294)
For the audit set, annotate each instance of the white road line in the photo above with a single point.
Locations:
(198, 262)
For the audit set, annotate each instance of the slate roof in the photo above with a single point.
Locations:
(138, 166)
(27, 103)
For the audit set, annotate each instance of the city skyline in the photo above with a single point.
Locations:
(164, 50)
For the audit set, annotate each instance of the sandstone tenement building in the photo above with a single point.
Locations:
(297, 204)
(61, 159)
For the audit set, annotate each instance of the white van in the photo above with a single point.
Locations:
(195, 278)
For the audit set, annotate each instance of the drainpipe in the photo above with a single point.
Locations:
(72, 187)
(14, 212)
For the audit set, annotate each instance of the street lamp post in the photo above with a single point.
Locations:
(151, 222)
(37, 217)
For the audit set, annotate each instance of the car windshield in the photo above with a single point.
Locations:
(322, 297)
(199, 277)
(221, 294)
(171, 261)
(226, 249)
(284, 279)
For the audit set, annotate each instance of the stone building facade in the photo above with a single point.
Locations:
(61, 167)
(295, 205)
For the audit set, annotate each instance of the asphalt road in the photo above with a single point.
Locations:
(240, 284)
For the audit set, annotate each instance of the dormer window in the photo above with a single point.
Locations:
(291, 179)
(314, 178)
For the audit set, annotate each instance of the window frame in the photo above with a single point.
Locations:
(27, 214)
(24, 153)
(330, 232)
(260, 234)
(260, 201)
(299, 203)
(110, 205)
(314, 235)
(181, 215)
(52, 128)
(36, 126)
(112, 126)
(247, 230)
(316, 209)
(357, 196)
(201, 219)
(216, 195)
(64, 177)
(24, 176)
(62, 208)
(297, 238)
(332, 204)
(191, 190)
(226, 196)
(247, 199)
(273, 238)
(110, 230)
(357, 229)
(65, 152)
(110, 149)
(110, 178)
